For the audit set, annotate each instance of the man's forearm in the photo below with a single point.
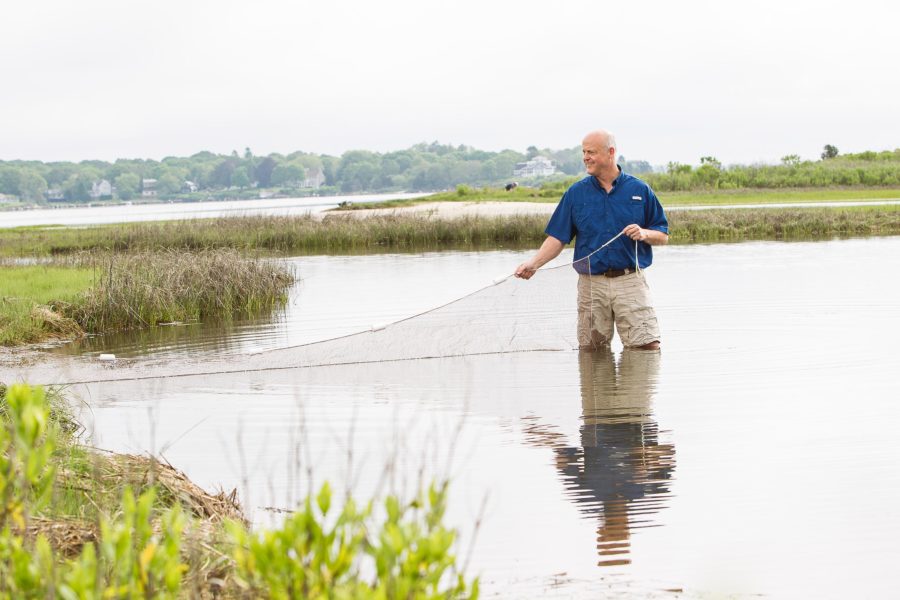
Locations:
(650, 236)
(656, 238)
(549, 250)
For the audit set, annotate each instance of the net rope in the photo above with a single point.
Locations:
(507, 315)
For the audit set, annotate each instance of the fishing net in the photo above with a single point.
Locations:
(506, 315)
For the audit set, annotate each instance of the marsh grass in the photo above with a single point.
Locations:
(282, 235)
(148, 288)
(776, 196)
(348, 233)
(102, 292)
(715, 225)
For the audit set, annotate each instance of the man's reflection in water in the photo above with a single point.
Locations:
(621, 472)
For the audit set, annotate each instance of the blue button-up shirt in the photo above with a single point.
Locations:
(592, 216)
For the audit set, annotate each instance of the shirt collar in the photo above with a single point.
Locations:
(615, 182)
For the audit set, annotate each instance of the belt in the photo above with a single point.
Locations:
(616, 272)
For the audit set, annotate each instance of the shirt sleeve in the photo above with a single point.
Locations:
(562, 223)
(654, 216)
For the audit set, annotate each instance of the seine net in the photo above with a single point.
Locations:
(507, 315)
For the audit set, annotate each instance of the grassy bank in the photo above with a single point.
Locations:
(344, 233)
(714, 225)
(272, 234)
(79, 523)
(108, 292)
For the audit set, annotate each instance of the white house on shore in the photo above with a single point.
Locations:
(101, 189)
(315, 178)
(148, 187)
(539, 166)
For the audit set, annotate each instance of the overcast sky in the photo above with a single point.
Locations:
(747, 82)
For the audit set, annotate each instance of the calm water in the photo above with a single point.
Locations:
(95, 215)
(755, 455)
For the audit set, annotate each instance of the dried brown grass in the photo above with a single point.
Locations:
(98, 487)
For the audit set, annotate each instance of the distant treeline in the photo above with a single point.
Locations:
(865, 169)
(423, 167)
(874, 169)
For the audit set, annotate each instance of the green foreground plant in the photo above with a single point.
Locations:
(142, 550)
(411, 552)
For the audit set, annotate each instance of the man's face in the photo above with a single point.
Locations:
(596, 156)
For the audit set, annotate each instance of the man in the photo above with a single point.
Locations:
(593, 211)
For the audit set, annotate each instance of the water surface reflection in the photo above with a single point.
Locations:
(776, 383)
(620, 474)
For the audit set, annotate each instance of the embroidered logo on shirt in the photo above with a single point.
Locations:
(638, 198)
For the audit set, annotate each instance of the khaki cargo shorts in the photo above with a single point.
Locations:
(623, 302)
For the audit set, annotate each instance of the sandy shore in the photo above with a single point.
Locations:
(456, 210)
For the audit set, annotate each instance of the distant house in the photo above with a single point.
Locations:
(7, 198)
(148, 187)
(101, 189)
(315, 178)
(539, 166)
(189, 187)
(55, 195)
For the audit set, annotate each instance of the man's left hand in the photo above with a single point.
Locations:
(635, 232)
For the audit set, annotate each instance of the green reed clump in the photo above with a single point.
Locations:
(148, 288)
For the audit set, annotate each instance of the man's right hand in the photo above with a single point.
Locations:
(525, 270)
(549, 250)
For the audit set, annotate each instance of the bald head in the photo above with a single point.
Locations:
(598, 151)
(600, 138)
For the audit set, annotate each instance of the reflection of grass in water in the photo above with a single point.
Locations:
(344, 233)
(217, 336)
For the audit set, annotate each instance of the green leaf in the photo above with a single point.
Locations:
(324, 498)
